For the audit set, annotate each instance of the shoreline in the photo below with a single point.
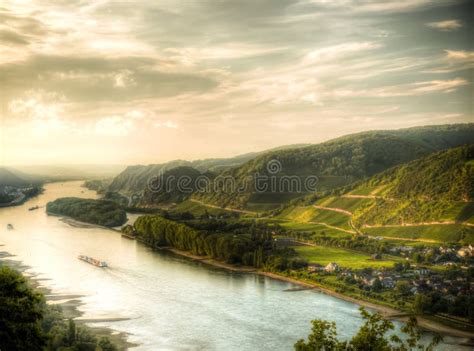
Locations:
(69, 304)
(388, 312)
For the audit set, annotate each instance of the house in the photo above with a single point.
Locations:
(388, 283)
(332, 267)
(314, 267)
(377, 257)
(467, 251)
(422, 272)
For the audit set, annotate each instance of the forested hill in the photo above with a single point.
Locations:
(166, 190)
(134, 178)
(9, 178)
(12, 177)
(346, 159)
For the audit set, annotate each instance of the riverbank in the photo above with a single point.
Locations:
(69, 305)
(387, 312)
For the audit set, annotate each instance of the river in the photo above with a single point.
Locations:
(171, 303)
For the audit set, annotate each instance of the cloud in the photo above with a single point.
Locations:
(460, 56)
(402, 90)
(96, 78)
(166, 124)
(454, 60)
(40, 112)
(446, 26)
(339, 51)
(114, 126)
(388, 6)
(190, 56)
(11, 37)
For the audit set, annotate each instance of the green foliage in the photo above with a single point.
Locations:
(21, 313)
(5, 198)
(344, 258)
(436, 233)
(106, 345)
(28, 323)
(98, 185)
(174, 186)
(101, 212)
(437, 187)
(213, 240)
(348, 158)
(372, 336)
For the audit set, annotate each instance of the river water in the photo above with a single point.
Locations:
(171, 303)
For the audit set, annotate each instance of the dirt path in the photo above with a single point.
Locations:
(372, 197)
(333, 227)
(334, 209)
(224, 208)
(415, 224)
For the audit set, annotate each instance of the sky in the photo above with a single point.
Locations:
(135, 82)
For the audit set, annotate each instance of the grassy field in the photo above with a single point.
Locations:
(344, 258)
(439, 233)
(261, 207)
(196, 209)
(299, 213)
(311, 227)
(367, 190)
(332, 218)
(305, 214)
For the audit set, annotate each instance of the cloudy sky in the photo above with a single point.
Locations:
(144, 82)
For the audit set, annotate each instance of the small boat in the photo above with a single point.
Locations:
(33, 208)
(93, 261)
(9, 226)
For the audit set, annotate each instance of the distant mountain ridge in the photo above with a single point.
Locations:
(11, 178)
(337, 162)
(346, 159)
(134, 178)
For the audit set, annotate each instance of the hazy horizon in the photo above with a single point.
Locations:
(127, 83)
(105, 164)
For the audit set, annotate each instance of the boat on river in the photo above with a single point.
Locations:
(33, 208)
(93, 261)
(10, 226)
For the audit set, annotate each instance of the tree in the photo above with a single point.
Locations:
(377, 286)
(71, 332)
(372, 336)
(422, 303)
(106, 345)
(21, 312)
(402, 288)
(323, 337)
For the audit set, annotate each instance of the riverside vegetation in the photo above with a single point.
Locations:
(28, 323)
(392, 221)
(100, 212)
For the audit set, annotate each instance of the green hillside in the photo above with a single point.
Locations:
(174, 186)
(426, 200)
(340, 161)
(439, 187)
